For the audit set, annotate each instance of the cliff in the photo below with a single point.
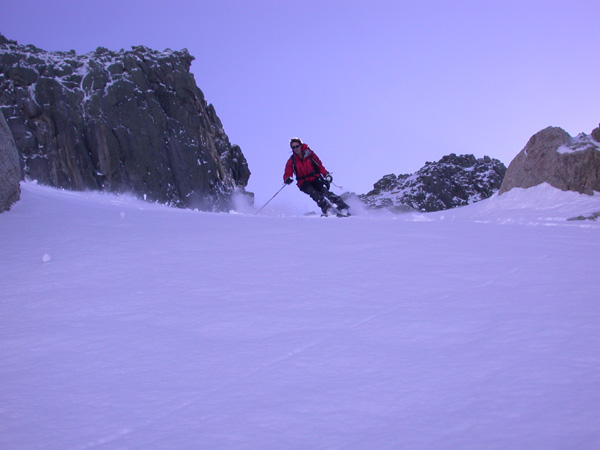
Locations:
(120, 121)
(10, 170)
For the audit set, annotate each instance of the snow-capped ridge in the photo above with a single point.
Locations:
(450, 182)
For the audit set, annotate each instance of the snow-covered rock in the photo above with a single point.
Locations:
(119, 121)
(450, 182)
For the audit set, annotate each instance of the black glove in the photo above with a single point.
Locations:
(289, 180)
(329, 178)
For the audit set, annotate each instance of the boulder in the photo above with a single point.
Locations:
(552, 156)
(10, 169)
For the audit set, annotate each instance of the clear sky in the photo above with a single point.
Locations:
(374, 87)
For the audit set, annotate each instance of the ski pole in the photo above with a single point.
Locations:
(280, 189)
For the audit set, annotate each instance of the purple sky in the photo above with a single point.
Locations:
(374, 87)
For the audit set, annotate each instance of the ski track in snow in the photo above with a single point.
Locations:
(130, 325)
(224, 386)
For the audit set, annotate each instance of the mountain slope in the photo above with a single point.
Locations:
(131, 325)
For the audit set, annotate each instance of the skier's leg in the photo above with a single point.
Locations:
(308, 188)
(337, 200)
(333, 198)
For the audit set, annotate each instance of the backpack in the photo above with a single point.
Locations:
(314, 173)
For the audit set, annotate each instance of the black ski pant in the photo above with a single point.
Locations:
(320, 194)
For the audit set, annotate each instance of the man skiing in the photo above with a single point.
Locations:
(312, 178)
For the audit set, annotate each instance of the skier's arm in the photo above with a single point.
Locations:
(289, 170)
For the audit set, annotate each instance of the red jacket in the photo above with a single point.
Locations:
(307, 168)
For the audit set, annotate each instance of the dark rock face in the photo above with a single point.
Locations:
(596, 134)
(552, 156)
(450, 182)
(10, 169)
(130, 121)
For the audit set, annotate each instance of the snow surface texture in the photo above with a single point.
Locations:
(128, 325)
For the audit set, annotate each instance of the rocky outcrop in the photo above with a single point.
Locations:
(552, 156)
(596, 134)
(130, 121)
(10, 169)
(450, 182)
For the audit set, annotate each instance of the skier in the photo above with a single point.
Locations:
(312, 178)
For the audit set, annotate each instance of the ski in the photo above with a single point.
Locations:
(336, 213)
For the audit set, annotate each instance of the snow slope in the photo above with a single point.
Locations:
(128, 325)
